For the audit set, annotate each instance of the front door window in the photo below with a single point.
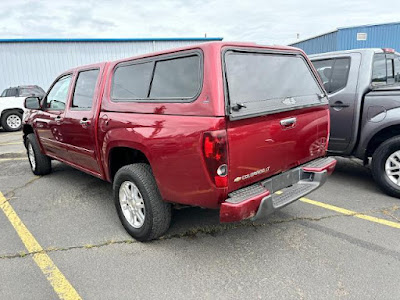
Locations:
(58, 95)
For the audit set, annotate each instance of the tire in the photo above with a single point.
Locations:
(40, 163)
(11, 120)
(384, 166)
(143, 213)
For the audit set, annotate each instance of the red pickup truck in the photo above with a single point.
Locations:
(235, 126)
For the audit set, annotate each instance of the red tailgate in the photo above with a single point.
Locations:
(261, 147)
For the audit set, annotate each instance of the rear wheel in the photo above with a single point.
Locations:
(40, 163)
(385, 166)
(11, 120)
(143, 213)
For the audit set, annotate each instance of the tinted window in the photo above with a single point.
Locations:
(379, 69)
(260, 77)
(333, 72)
(3, 94)
(339, 75)
(132, 81)
(58, 95)
(84, 89)
(176, 78)
(12, 92)
(324, 68)
(397, 69)
(34, 91)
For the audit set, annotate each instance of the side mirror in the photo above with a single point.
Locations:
(32, 103)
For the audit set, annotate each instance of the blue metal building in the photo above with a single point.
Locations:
(39, 61)
(346, 38)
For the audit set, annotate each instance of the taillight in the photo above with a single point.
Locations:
(215, 155)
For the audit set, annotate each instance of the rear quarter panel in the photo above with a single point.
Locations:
(173, 146)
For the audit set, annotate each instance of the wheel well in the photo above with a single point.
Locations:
(26, 129)
(122, 156)
(12, 109)
(380, 137)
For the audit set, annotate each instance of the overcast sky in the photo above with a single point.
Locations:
(267, 22)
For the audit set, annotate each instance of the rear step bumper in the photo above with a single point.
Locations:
(263, 198)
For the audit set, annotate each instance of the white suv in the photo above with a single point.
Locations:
(12, 105)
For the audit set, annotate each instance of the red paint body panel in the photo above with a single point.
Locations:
(173, 146)
(262, 143)
(170, 135)
(230, 212)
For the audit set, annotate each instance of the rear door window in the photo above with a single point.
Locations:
(264, 83)
(324, 69)
(340, 74)
(334, 73)
(84, 90)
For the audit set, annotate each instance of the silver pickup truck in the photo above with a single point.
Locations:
(364, 96)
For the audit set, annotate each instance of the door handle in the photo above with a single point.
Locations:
(84, 121)
(339, 104)
(58, 119)
(287, 123)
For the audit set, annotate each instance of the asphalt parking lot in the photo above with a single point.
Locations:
(61, 238)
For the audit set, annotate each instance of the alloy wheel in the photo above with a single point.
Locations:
(132, 204)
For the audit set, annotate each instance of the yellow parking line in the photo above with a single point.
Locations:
(11, 143)
(60, 284)
(351, 213)
(15, 158)
(11, 134)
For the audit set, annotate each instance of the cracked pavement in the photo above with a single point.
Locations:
(300, 252)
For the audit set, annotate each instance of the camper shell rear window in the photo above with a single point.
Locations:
(265, 82)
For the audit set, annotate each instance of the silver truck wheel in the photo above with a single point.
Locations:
(31, 156)
(385, 166)
(40, 163)
(392, 167)
(11, 120)
(14, 121)
(139, 204)
(132, 204)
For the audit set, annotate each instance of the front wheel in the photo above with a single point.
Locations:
(11, 120)
(143, 213)
(40, 163)
(385, 166)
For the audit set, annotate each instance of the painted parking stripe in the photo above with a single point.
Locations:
(15, 158)
(60, 284)
(11, 134)
(11, 143)
(351, 213)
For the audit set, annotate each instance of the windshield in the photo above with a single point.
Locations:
(270, 82)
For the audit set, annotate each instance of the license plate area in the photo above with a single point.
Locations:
(283, 180)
